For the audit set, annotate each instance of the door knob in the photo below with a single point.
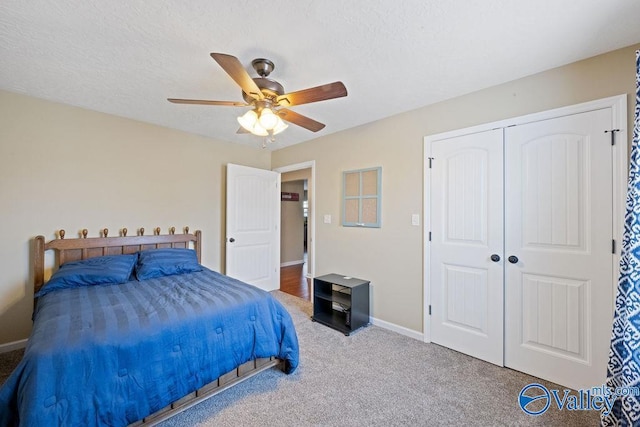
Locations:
(232, 240)
(513, 259)
(495, 257)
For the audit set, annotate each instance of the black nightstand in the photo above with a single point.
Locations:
(341, 302)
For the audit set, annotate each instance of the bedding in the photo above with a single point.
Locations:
(165, 262)
(111, 355)
(93, 271)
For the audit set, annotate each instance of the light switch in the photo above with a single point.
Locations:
(327, 219)
(415, 219)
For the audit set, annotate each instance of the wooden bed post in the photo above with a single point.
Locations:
(38, 263)
(198, 245)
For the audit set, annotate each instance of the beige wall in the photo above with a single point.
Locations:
(296, 175)
(392, 256)
(292, 224)
(70, 168)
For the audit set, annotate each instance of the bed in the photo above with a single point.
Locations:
(168, 335)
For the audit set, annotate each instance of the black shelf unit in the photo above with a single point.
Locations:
(341, 302)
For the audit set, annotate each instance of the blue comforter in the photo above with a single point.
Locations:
(113, 354)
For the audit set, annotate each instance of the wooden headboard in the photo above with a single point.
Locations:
(88, 247)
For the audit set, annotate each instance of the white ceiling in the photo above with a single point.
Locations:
(125, 57)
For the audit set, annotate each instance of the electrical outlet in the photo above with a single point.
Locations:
(327, 219)
(415, 219)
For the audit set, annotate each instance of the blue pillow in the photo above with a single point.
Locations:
(166, 262)
(110, 269)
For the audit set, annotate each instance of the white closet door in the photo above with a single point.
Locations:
(466, 218)
(558, 223)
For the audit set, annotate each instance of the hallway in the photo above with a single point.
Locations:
(293, 280)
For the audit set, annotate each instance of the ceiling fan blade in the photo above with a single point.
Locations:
(314, 94)
(300, 120)
(204, 102)
(234, 68)
(242, 130)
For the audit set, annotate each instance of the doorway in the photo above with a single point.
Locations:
(297, 253)
(293, 236)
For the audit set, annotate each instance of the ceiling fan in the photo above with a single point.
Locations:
(267, 98)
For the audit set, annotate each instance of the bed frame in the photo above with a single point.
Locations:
(84, 247)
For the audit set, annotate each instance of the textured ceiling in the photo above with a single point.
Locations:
(125, 57)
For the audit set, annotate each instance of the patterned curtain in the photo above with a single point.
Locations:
(623, 369)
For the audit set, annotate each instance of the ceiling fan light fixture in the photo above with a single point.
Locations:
(261, 123)
(268, 120)
(280, 126)
(248, 120)
(259, 130)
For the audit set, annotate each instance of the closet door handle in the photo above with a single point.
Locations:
(495, 257)
(231, 240)
(513, 259)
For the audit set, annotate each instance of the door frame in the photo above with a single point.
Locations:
(311, 228)
(618, 105)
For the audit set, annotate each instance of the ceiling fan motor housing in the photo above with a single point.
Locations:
(270, 88)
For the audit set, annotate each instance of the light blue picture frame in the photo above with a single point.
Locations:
(360, 198)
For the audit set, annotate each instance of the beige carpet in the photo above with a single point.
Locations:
(375, 378)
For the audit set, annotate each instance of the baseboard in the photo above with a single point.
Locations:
(15, 345)
(399, 329)
(288, 263)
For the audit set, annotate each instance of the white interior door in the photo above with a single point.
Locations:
(466, 230)
(253, 235)
(558, 223)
